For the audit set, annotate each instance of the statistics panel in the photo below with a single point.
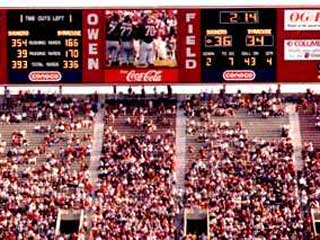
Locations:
(238, 45)
(44, 46)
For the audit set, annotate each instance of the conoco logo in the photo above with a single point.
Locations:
(239, 75)
(45, 76)
(149, 76)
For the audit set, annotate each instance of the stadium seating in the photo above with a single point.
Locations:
(242, 171)
(135, 197)
(239, 156)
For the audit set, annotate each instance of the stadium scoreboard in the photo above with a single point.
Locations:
(238, 45)
(187, 45)
(44, 43)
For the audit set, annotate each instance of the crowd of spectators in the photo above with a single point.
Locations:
(38, 107)
(248, 185)
(309, 182)
(136, 197)
(31, 196)
(144, 115)
(267, 107)
(266, 104)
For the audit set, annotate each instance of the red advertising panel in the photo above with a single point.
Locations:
(93, 46)
(3, 47)
(189, 47)
(152, 46)
(298, 45)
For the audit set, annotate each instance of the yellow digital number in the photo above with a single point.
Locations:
(209, 61)
(260, 40)
(231, 60)
(250, 61)
(253, 40)
(18, 42)
(72, 42)
(19, 64)
(251, 17)
(227, 41)
(250, 41)
(72, 53)
(22, 53)
(269, 60)
(70, 64)
(233, 17)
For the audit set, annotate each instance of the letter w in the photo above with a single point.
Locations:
(93, 33)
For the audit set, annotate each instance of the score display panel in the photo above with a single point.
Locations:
(44, 46)
(238, 45)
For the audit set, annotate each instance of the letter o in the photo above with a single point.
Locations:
(92, 19)
(191, 64)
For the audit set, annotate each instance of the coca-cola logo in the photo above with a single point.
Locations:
(44, 76)
(239, 75)
(147, 76)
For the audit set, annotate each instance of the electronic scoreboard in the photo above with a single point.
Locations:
(238, 45)
(188, 45)
(44, 46)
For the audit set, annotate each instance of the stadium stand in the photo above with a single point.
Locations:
(247, 182)
(136, 195)
(44, 162)
(240, 166)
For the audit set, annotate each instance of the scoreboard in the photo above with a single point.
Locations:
(238, 45)
(159, 46)
(44, 46)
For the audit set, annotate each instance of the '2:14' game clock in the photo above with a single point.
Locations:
(238, 45)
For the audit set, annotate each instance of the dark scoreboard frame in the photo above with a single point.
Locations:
(192, 43)
(42, 27)
(235, 24)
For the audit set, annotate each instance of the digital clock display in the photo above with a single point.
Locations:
(239, 17)
(44, 46)
(238, 45)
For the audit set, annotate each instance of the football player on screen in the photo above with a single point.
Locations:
(113, 39)
(126, 37)
(147, 32)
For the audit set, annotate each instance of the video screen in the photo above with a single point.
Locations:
(141, 38)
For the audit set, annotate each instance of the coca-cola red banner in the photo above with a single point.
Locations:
(144, 76)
